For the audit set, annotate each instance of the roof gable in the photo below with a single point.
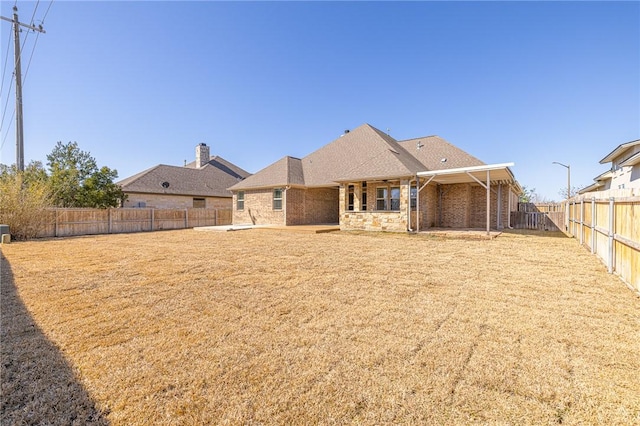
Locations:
(224, 165)
(619, 151)
(208, 180)
(365, 153)
(285, 172)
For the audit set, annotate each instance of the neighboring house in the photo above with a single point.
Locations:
(367, 180)
(624, 172)
(202, 183)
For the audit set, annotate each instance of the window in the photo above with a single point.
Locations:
(277, 199)
(381, 198)
(395, 198)
(199, 203)
(350, 197)
(240, 201)
(363, 199)
(414, 197)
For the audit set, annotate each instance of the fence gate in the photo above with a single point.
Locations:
(543, 221)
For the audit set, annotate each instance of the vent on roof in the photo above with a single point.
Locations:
(165, 184)
(346, 131)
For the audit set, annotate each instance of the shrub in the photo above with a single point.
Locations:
(24, 201)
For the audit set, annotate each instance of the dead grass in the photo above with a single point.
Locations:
(271, 327)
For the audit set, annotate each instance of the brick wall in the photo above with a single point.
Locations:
(167, 201)
(258, 209)
(301, 206)
(312, 206)
(465, 206)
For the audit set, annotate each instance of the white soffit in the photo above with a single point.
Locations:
(497, 173)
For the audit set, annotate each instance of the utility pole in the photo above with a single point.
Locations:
(18, 73)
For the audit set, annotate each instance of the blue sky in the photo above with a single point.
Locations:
(141, 83)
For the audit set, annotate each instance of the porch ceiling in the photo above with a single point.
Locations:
(498, 173)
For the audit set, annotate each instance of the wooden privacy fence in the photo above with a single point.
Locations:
(71, 222)
(540, 216)
(543, 221)
(610, 228)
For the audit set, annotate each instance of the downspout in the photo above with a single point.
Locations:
(409, 209)
(440, 205)
(284, 207)
(417, 203)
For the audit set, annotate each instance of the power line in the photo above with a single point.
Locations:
(6, 61)
(17, 54)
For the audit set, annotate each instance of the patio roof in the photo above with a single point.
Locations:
(483, 175)
(499, 173)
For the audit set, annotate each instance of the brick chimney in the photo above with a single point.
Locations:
(202, 154)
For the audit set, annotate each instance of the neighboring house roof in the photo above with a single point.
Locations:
(593, 187)
(225, 166)
(631, 161)
(285, 172)
(365, 153)
(618, 151)
(211, 180)
(604, 176)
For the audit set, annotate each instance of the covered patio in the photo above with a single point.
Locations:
(493, 178)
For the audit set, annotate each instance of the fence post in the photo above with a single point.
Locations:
(611, 232)
(593, 225)
(152, 219)
(215, 217)
(186, 218)
(109, 213)
(55, 229)
(581, 221)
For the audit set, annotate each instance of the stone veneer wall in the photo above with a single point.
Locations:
(166, 201)
(373, 220)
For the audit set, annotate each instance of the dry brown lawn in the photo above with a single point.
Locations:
(272, 327)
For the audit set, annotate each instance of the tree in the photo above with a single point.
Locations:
(24, 198)
(574, 191)
(77, 181)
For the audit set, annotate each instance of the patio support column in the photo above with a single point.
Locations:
(499, 210)
(417, 204)
(488, 204)
(509, 207)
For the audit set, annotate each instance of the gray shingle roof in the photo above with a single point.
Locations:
(285, 172)
(211, 180)
(225, 166)
(433, 149)
(365, 153)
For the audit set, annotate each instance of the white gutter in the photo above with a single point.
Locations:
(486, 167)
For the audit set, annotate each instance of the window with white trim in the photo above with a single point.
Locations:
(240, 200)
(363, 197)
(381, 198)
(395, 198)
(277, 199)
(413, 197)
(350, 197)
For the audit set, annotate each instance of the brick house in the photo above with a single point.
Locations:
(202, 183)
(366, 180)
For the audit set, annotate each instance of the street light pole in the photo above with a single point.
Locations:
(568, 167)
